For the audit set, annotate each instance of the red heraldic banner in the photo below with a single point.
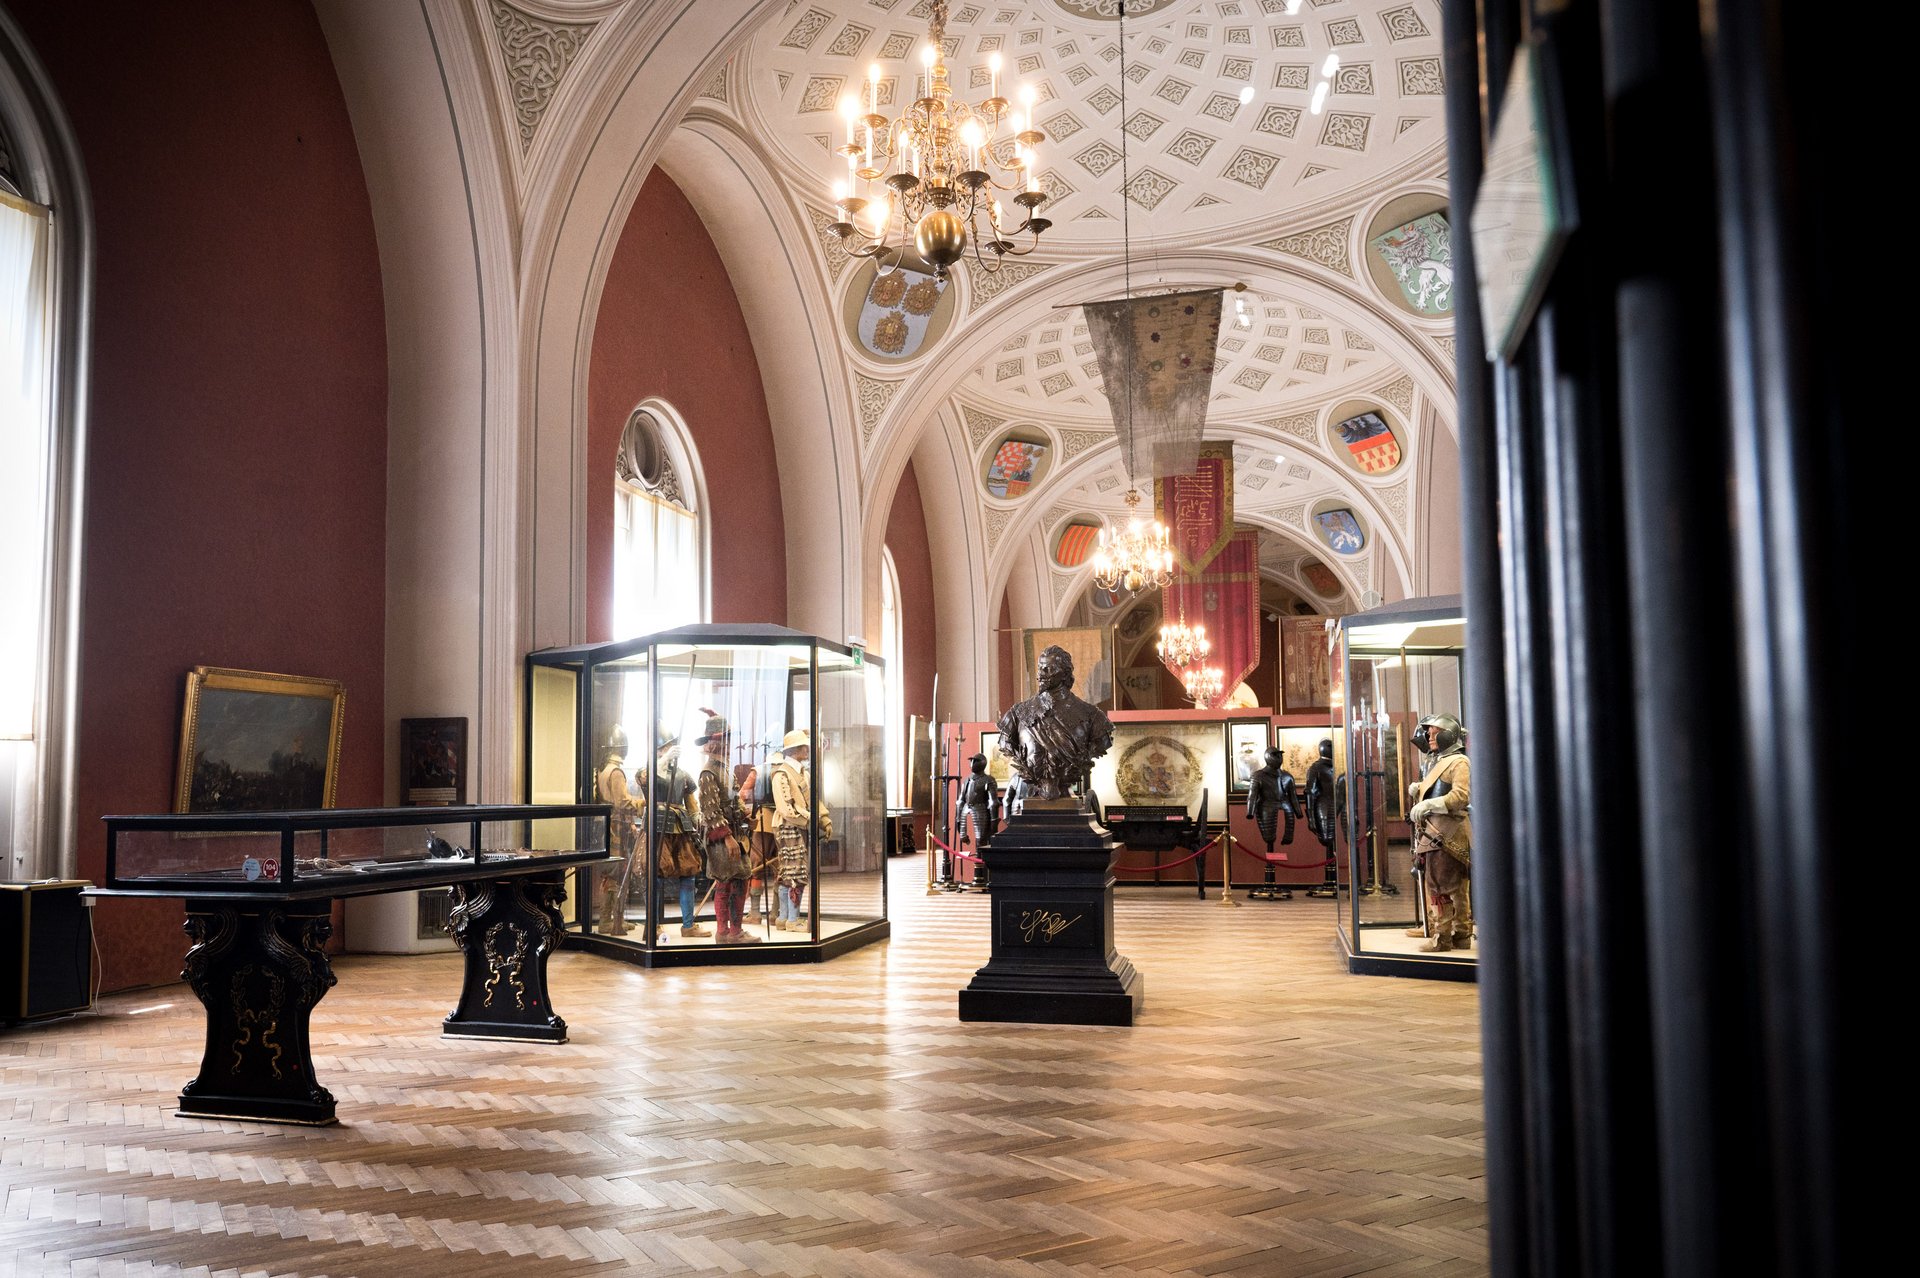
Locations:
(1198, 508)
(1226, 599)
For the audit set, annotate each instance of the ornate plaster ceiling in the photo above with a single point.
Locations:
(1202, 166)
(1286, 349)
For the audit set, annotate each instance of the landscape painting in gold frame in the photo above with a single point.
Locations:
(251, 741)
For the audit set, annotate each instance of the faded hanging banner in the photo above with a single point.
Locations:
(1197, 508)
(1156, 364)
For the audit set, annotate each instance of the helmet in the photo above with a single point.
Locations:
(617, 742)
(1437, 733)
(1326, 747)
(979, 762)
(1274, 757)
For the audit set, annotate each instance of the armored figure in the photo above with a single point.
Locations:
(727, 832)
(980, 800)
(678, 861)
(1270, 797)
(1053, 737)
(610, 785)
(1443, 831)
(1323, 802)
(793, 819)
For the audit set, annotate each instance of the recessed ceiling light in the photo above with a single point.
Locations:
(1319, 102)
(1246, 94)
(1331, 65)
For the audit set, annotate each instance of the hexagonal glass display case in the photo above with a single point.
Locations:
(745, 765)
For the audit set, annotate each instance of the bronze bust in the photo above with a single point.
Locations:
(1053, 737)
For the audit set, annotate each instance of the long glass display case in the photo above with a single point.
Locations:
(343, 851)
(744, 766)
(1405, 904)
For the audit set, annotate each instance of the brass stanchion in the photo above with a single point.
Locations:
(1226, 842)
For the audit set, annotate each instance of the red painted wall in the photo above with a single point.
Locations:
(670, 326)
(913, 561)
(236, 462)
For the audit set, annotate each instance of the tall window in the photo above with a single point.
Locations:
(892, 649)
(659, 545)
(25, 355)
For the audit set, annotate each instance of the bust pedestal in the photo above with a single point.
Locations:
(1053, 960)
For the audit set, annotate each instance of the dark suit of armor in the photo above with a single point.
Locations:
(1270, 796)
(1323, 805)
(979, 799)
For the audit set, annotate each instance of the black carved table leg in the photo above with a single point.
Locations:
(507, 927)
(259, 970)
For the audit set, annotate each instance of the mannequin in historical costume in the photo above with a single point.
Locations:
(1443, 831)
(979, 804)
(677, 857)
(610, 786)
(1323, 801)
(727, 833)
(1269, 798)
(793, 819)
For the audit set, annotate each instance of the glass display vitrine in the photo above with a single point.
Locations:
(344, 851)
(745, 767)
(1395, 666)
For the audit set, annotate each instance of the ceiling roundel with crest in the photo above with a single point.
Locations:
(1220, 118)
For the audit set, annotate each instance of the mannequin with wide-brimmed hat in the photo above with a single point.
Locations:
(793, 825)
(727, 834)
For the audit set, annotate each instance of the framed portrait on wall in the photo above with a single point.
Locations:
(252, 741)
(997, 766)
(433, 760)
(1246, 753)
(1299, 747)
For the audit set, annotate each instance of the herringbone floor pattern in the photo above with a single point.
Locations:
(1271, 1115)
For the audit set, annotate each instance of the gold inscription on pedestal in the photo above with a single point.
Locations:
(1044, 924)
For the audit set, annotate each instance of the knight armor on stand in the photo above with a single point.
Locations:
(610, 786)
(727, 833)
(1323, 803)
(1270, 796)
(1443, 832)
(979, 804)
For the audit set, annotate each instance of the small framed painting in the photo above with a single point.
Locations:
(433, 755)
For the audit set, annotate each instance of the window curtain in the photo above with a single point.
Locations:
(656, 564)
(24, 336)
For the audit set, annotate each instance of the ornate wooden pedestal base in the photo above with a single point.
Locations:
(259, 969)
(507, 927)
(1053, 959)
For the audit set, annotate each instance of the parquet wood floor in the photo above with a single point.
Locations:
(1270, 1115)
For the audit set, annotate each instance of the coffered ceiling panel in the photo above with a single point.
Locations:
(1233, 108)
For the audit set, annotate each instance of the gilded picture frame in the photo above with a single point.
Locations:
(254, 741)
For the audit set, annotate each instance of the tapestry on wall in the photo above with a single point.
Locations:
(1091, 648)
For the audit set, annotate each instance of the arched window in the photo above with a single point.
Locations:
(659, 539)
(45, 263)
(892, 650)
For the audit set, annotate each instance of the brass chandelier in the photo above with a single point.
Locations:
(936, 169)
(1184, 645)
(1204, 684)
(1137, 557)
